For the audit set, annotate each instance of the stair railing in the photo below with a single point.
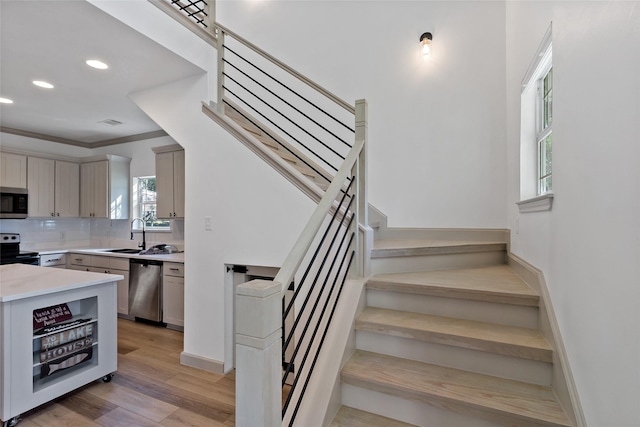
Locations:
(278, 344)
(284, 104)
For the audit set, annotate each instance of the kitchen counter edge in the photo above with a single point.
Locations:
(178, 257)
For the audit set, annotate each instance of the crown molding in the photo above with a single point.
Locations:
(104, 143)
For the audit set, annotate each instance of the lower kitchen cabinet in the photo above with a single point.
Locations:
(109, 265)
(173, 295)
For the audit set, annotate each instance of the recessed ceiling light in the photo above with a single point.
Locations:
(45, 85)
(97, 64)
(6, 101)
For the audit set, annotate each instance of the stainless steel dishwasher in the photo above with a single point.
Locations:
(145, 290)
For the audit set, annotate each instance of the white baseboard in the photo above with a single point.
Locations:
(564, 383)
(203, 363)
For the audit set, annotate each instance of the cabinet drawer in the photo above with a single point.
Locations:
(80, 259)
(53, 260)
(173, 269)
(109, 262)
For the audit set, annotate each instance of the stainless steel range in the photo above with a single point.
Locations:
(10, 251)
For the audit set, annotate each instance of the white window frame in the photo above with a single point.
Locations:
(531, 132)
(136, 212)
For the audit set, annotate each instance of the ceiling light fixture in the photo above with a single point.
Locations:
(97, 64)
(43, 84)
(425, 43)
(6, 101)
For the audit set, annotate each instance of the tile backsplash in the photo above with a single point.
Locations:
(49, 234)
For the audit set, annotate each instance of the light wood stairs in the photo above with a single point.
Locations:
(448, 338)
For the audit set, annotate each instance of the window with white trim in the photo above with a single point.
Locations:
(536, 130)
(144, 205)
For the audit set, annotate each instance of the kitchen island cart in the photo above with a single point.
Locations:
(58, 332)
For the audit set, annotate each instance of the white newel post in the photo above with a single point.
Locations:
(258, 314)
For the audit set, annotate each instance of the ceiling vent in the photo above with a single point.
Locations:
(111, 122)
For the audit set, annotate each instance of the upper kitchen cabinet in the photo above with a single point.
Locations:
(170, 181)
(104, 187)
(13, 170)
(54, 188)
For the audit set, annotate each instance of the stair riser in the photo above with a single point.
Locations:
(505, 314)
(436, 262)
(454, 339)
(514, 368)
(405, 410)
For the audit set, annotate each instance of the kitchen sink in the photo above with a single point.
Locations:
(124, 251)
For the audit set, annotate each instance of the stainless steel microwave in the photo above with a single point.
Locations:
(14, 203)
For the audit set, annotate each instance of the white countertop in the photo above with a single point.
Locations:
(19, 281)
(177, 257)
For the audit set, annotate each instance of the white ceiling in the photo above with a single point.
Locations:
(51, 40)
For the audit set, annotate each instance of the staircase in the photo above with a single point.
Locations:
(450, 334)
(449, 337)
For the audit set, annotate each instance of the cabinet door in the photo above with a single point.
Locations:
(40, 182)
(101, 189)
(178, 184)
(173, 300)
(67, 189)
(164, 185)
(86, 190)
(123, 291)
(94, 189)
(13, 170)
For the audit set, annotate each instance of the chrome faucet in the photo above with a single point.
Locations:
(142, 245)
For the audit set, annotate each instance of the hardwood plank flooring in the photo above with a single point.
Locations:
(150, 389)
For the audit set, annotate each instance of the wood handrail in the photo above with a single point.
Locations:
(350, 108)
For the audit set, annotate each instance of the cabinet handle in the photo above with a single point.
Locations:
(77, 259)
(174, 269)
(52, 214)
(58, 214)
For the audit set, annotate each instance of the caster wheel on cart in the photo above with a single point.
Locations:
(107, 378)
(12, 422)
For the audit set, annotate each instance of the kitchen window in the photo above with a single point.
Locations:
(144, 205)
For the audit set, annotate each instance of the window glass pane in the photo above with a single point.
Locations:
(545, 153)
(547, 99)
(146, 203)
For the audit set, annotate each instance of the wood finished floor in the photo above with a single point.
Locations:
(150, 389)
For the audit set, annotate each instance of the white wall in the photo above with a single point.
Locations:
(437, 137)
(589, 244)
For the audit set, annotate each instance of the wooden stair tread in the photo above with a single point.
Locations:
(415, 247)
(462, 391)
(490, 337)
(495, 283)
(350, 417)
